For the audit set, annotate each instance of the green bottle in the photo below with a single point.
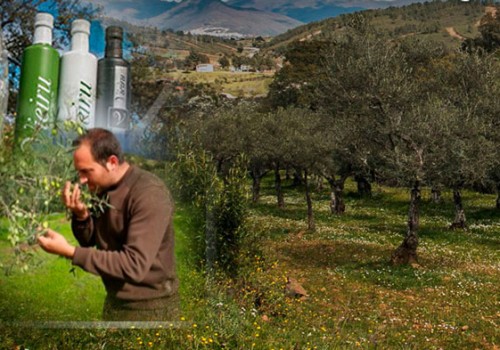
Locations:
(37, 100)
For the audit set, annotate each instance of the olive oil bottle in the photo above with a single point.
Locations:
(37, 99)
(113, 87)
(78, 78)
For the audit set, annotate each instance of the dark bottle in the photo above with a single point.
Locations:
(113, 87)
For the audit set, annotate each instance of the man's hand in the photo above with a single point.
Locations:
(72, 201)
(55, 243)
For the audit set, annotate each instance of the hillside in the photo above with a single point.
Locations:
(443, 22)
(219, 19)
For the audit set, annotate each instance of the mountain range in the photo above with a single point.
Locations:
(215, 17)
(302, 10)
(230, 18)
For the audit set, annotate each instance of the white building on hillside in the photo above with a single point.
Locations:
(205, 67)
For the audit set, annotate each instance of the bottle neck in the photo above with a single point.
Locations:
(80, 42)
(114, 48)
(43, 35)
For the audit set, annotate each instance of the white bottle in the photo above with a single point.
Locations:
(78, 78)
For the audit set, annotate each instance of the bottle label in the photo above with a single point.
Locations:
(85, 101)
(118, 116)
(43, 100)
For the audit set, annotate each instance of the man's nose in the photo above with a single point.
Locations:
(83, 180)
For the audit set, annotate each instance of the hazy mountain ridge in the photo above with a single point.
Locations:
(426, 21)
(198, 14)
(429, 21)
(302, 10)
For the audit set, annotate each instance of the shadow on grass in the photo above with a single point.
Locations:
(359, 262)
(482, 214)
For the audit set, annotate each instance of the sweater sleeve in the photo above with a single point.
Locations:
(83, 231)
(151, 212)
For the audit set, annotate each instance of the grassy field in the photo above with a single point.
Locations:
(240, 84)
(356, 299)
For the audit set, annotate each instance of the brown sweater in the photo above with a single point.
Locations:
(134, 239)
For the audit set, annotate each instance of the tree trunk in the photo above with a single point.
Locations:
(319, 183)
(498, 197)
(435, 195)
(406, 253)
(310, 215)
(297, 179)
(257, 174)
(459, 221)
(255, 187)
(337, 204)
(277, 186)
(364, 186)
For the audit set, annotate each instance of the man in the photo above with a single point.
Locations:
(133, 233)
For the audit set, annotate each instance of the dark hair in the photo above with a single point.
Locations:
(103, 144)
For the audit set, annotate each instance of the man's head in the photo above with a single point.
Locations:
(99, 160)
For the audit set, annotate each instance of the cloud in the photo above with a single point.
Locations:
(123, 13)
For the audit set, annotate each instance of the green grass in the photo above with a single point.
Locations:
(356, 298)
(243, 84)
(49, 283)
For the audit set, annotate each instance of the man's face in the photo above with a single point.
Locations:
(97, 177)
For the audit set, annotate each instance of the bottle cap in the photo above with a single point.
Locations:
(80, 26)
(44, 19)
(44, 22)
(114, 40)
(114, 32)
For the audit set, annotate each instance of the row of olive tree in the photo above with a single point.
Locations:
(359, 104)
(407, 111)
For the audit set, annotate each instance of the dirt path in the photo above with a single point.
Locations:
(487, 10)
(492, 10)
(454, 33)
